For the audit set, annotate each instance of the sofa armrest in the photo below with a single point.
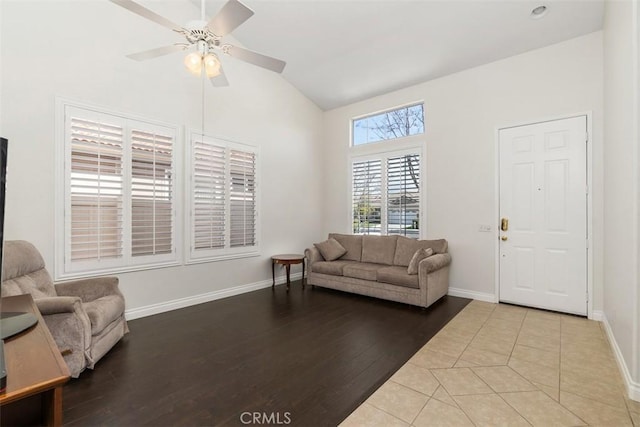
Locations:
(89, 289)
(433, 263)
(313, 255)
(56, 305)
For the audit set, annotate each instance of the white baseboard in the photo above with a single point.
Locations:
(633, 387)
(597, 315)
(163, 307)
(480, 296)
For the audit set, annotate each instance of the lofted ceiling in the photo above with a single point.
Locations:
(342, 51)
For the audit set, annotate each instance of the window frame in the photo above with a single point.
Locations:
(383, 153)
(353, 120)
(226, 253)
(63, 266)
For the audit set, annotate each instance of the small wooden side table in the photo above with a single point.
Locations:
(286, 260)
(36, 371)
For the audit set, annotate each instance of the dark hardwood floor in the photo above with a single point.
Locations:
(308, 356)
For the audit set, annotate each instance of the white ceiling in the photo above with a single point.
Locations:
(343, 51)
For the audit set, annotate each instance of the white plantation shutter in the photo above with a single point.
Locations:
(242, 198)
(95, 191)
(403, 195)
(208, 195)
(367, 196)
(223, 221)
(151, 193)
(119, 193)
(385, 191)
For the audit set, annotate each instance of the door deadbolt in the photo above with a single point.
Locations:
(504, 224)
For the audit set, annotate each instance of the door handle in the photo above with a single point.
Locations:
(504, 224)
(504, 238)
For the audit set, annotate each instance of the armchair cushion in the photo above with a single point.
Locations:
(103, 311)
(89, 289)
(54, 305)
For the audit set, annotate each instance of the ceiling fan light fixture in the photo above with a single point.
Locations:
(211, 65)
(193, 62)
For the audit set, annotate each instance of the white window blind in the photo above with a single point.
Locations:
(367, 196)
(224, 199)
(95, 190)
(209, 196)
(385, 191)
(242, 166)
(403, 195)
(151, 193)
(119, 193)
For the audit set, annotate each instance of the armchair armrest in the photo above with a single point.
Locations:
(433, 263)
(57, 305)
(313, 255)
(89, 289)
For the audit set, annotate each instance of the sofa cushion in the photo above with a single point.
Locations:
(352, 243)
(379, 249)
(417, 257)
(103, 311)
(330, 267)
(406, 248)
(361, 270)
(397, 275)
(330, 249)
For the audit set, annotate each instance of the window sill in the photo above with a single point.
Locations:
(113, 271)
(225, 257)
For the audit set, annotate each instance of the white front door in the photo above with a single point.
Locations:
(543, 201)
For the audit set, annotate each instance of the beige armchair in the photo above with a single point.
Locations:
(85, 317)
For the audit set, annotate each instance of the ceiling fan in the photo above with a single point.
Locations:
(206, 37)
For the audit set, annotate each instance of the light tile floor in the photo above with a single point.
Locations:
(497, 364)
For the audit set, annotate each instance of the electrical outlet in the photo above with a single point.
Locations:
(484, 228)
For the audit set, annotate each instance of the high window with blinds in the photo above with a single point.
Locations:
(223, 217)
(119, 193)
(385, 191)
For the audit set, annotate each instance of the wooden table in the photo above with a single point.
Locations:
(36, 371)
(286, 260)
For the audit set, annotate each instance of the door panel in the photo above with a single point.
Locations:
(543, 254)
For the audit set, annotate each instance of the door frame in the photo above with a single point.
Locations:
(496, 221)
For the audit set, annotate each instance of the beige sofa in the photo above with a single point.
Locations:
(377, 266)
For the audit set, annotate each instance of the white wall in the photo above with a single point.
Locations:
(621, 264)
(462, 113)
(76, 49)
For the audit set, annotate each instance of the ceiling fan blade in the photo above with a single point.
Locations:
(255, 58)
(220, 80)
(154, 53)
(136, 8)
(232, 14)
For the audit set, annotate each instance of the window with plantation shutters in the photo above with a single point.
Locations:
(118, 209)
(385, 190)
(367, 196)
(242, 199)
(223, 218)
(151, 193)
(209, 195)
(403, 195)
(95, 189)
